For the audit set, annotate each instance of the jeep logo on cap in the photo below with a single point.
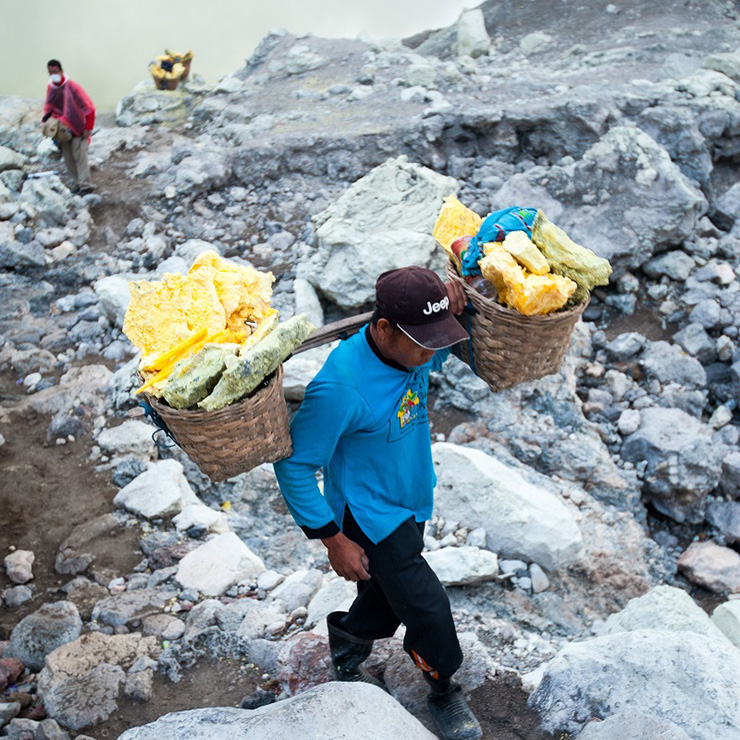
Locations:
(436, 307)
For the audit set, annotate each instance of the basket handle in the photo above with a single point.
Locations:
(336, 330)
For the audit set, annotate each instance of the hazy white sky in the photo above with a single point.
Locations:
(106, 45)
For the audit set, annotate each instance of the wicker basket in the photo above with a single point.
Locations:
(236, 438)
(505, 347)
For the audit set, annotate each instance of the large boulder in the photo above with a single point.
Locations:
(521, 519)
(688, 678)
(42, 632)
(341, 710)
(81, 681)
(647, 205)
(384, 220)
(663, 608)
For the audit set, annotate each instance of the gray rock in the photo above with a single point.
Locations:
(682, 462)
(626, 346)
(706, 313)
(727, 208)
(730, 480)
(16, 595)
(81, 681)
(725, 516)
(40, 633)
(668, 364)
(130, 606)
(635, 725)
(338, 709)
(398, 203)
(695, 340)
(675, 265)
(597, 677)
(130, 437)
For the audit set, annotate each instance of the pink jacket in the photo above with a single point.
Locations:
(71, 105)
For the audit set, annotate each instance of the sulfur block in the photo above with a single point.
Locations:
(565, 257)
(521, 290)
(193, 379)
(525, 252)
(244, 373)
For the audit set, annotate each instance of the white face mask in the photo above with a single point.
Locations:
(56, 79)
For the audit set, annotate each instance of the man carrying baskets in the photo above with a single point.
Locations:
(364, 423)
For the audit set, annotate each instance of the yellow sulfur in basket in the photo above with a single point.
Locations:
(454, 221)
(530, 295)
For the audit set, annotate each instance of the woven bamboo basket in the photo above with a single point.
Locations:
(236, 438)
(505, 347)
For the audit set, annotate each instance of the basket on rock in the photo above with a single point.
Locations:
(527, 286)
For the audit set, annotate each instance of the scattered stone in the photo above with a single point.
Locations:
(19, 566)
(711, 566)
(42, 632)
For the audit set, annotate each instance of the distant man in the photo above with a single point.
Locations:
(71, 106)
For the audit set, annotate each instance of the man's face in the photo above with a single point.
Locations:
(54, 69)
(396, 345)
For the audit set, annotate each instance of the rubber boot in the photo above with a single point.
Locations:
(451, 712)
(348, 653)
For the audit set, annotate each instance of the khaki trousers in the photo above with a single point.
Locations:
(75, 158)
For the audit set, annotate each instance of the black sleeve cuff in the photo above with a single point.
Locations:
(328, 530)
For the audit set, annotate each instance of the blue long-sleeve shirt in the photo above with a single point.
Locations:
(363, 421)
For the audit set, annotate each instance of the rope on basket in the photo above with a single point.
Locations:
(161, 425)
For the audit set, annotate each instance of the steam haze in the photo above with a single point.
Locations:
(106, 46)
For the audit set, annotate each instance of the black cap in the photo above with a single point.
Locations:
(416, 300)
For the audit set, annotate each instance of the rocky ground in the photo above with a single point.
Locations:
(133, 586)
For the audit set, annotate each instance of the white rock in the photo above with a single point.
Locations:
(691, 679)
(628, 422)
(712, 566)
(664, 608)
(331, 710)
(161, 491)
(397, 202)
(307, 301)
(520, 519)
(132, 437)
(726, 617)
(335, 596)
(217, 565)
(19, 566)
(461, 566)
(472, 37)
(198, 515)
(297, 589)
(540, 581)
(114, 297)
(476, 537)
(535, 41)
(269, 579)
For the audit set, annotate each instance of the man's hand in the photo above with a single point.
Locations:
(347, 558)
(456, 294)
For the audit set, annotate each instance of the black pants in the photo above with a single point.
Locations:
(404, 589)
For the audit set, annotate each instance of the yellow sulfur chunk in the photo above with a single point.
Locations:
(454, 221)
(269, 323)
(165, 313)
(521, 290)
(520, 246)
(159, 362)
(244, 292)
